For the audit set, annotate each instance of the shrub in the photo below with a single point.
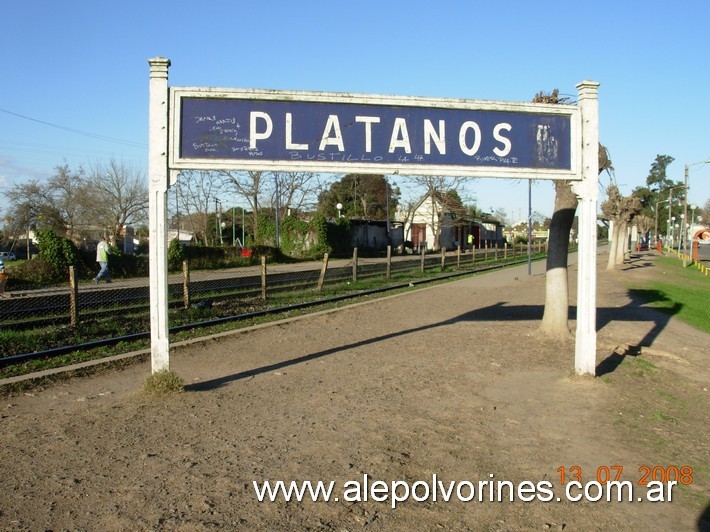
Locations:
(34, 273)
(58, 252)
(176, 254)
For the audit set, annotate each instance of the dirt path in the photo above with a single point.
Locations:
(452, 381)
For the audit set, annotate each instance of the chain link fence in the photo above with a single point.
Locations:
(76, 312)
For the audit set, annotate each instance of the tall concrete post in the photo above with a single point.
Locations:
(157, 212)
(588, 192)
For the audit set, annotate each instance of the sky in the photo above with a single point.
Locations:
(74, 74)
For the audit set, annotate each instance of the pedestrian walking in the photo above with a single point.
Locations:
(3, 278)
(103, 250)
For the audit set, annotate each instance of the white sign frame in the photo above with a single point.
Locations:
(176, 162)
(164, 164)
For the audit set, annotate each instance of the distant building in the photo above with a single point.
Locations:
(441, 221)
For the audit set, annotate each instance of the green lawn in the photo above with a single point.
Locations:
(682, 292)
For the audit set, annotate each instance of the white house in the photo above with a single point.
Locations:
(443, 216)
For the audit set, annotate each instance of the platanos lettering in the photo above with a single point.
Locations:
(427, 136)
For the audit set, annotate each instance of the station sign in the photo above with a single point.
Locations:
(333, 132)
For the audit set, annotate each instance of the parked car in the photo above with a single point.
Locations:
(6, 256)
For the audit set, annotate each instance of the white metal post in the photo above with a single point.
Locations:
(157, 212)
(588, 192)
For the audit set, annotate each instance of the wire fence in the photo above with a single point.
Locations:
(76, 312)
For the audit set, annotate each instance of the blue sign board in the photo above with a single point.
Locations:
(247, 129)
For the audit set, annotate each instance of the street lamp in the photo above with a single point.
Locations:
(671, 230)
(657, 204)
(692, 228)
(339, 206)
(218, 219)
(682, 233)
(670, 205)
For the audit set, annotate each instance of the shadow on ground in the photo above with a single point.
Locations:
(635, 310)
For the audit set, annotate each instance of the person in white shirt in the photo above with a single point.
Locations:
(103, 250)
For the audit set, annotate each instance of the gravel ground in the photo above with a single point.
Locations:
(452, 380)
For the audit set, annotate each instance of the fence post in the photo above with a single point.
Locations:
(263, 277)
(495, 253)
(73, 298)
(485, 255)
(185, 284)
(354, 264)
(323, 269)
(473, 256)
(458, 257)
(422, 261)
(389, 262)
(443, 258)
(505, 251)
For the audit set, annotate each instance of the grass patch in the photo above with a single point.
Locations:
(163, 383)
(660, 416)
(639, 367)
(677, 291)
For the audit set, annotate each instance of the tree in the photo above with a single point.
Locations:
(555, 317)
(196, 191)
(120, 195)
(297, 191)
(71, 196)
(657, 179)
(362, 196)
(250, 186)
(660, 193)
(31, 207)
(621, 211)
(706, 212)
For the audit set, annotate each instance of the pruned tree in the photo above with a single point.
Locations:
(621, 211)
(555, 317)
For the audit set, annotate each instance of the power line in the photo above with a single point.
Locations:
(78, 131)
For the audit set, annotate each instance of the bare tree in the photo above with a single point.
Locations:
(296, 190)
(120, 195)
(72, 197)
(197, 190)
(250, 186)
(32, 205)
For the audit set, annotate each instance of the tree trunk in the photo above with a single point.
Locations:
(622, 243)
(555, 317)
(613, 245)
